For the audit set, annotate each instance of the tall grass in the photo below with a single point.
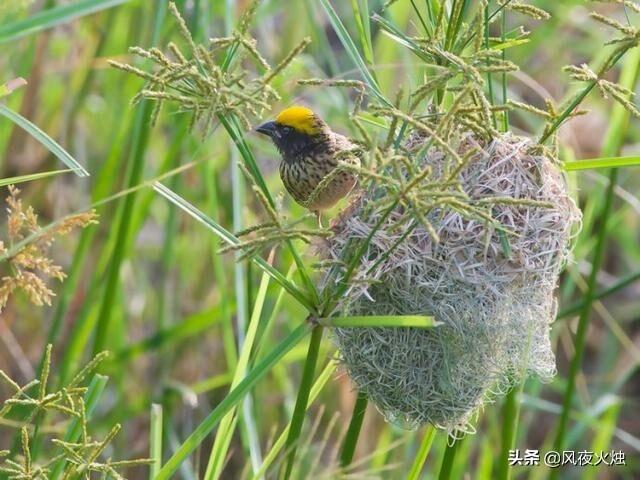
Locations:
(218, 366)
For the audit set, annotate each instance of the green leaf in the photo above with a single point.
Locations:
(353, 432)
(603, 162)
(448, 459)
(352, 50)
(155, 440)
(126, 214)
(187, 327)
(603, 436)
(232, 240)
(510, 44)
(423, 451)
(279, 444)
(361, 17)
(302, 400)
(393, 32)
(52, 17)
(234, 397)
(371, 120)
(573, 308)
(221, 444)
(48, 142)
(414, 321)
(510, 421)
(29, 178)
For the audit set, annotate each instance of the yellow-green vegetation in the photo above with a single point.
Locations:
(73, 452)
(14, 6)
(475, 293)
(26, 250)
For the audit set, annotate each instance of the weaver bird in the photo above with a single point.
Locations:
(311, 153)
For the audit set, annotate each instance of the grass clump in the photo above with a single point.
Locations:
(457, 218)
(206, 82)
(71, 452)
(26, 251)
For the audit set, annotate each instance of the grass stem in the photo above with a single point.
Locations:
(423, 452)
(351, 439)
(302, 399)
(448, 460)
(155, 440)
(510, 417)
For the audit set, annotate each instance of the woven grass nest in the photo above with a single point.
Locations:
(495, 305)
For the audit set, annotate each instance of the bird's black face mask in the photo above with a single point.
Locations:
(290, 142)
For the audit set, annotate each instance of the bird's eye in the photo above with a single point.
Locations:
(286, 130)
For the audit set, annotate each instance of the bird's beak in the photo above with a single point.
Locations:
(268, 129)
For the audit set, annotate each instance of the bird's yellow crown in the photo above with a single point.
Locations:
(300, 118)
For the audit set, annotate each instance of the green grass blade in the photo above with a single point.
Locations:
(486, 459)
(455, 22)
(210, 176)
(279, 444)
(302, 401)
(401, 38)
(448, 460)
(509, 44)
(123, 225)
(188, 327)
(414, 321)
(361, 19)
(427, 29)
(352, 50)
(54, 16)
(232, 240)
(46, 141)
(221, 444)
(603, 162)
(243, 291)
(616, 287)
(155, 440)
(29, 178)
(320, 43)
(365, 15)
(510, 415)
(353, 432)
(602, 439)
(101, 188)
(503, 32)
(423, 452)
(124, 222)
(231, 400)
(211, 383)
(232, 127)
